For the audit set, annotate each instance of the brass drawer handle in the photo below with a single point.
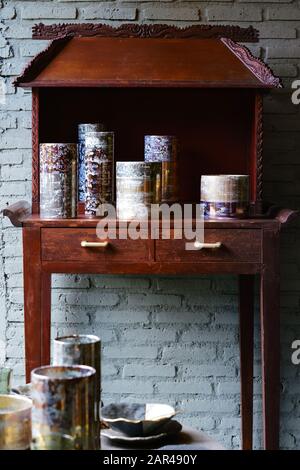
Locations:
(86, 244)
(211, 246)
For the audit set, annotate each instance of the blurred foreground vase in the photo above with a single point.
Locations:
(63, 407)
(58, 180)
(5, 380)
(225, 195)
(15, 422)
(81, 350)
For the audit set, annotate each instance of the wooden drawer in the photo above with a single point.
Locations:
(64, 244)
(238, 245)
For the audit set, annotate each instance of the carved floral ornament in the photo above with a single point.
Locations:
(55, 31)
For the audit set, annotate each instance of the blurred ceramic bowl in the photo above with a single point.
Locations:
(15, 422)
(25, 390)
(137, 419)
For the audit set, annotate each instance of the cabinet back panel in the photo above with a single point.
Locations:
(213, 126)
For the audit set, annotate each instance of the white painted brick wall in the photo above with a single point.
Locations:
(164, 339)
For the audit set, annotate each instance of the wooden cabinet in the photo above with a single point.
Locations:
(201, 85)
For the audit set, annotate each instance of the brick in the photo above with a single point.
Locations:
(171, 13)
(108, 370)
(277, 30)
(182, 317)
(15, 173)
(142, 370)
(15, 188)
(264, 1)
(122, 317)
(131, 352)
(233, 13)
(154, 299)
(211, 370)
(283, 13)
(8, 121)
(47, 11)
(149, 335)
(78, 316)
(7, 13)
(199, 422)
(209, 335)
(17, 31)
(210, 406)
(13, 265)
(126, 386)
(124, 282)
(208, 299)
(286, 51)
(30, 48)
(111, 12)
(181, 354)
(186, 387)
(15, 314)
(14, 280)
(70, 280)
(16, 137)
(182, 285)
(228, 388)
(88, 298)
(12, 68)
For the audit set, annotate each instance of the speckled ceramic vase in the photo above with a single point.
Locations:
(164, 149)
(99, 166)
(58, 180)
(225, 195)
(160, 148)
(83, 129)
(63, 404)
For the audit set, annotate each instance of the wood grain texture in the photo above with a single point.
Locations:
(55, 31)
(246, 316)
(32, 299)
(155, 62)
(91, 222)
(166, 268)
(270, 338)
(45, 317)
(237, 246)
(68, 241)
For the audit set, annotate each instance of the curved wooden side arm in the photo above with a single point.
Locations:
(17, 212)
(285, 216)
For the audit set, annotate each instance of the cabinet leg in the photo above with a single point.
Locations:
(37, 302)
(46, 318)
(246, 311)
(270, 339)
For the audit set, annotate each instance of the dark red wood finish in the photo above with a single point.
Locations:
(162, 31)
(246, 311)
(143, 79)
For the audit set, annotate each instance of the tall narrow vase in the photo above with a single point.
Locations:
(58, 180)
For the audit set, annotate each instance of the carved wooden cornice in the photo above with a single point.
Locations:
(41, 60)
(254, 64)
(55, 31)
